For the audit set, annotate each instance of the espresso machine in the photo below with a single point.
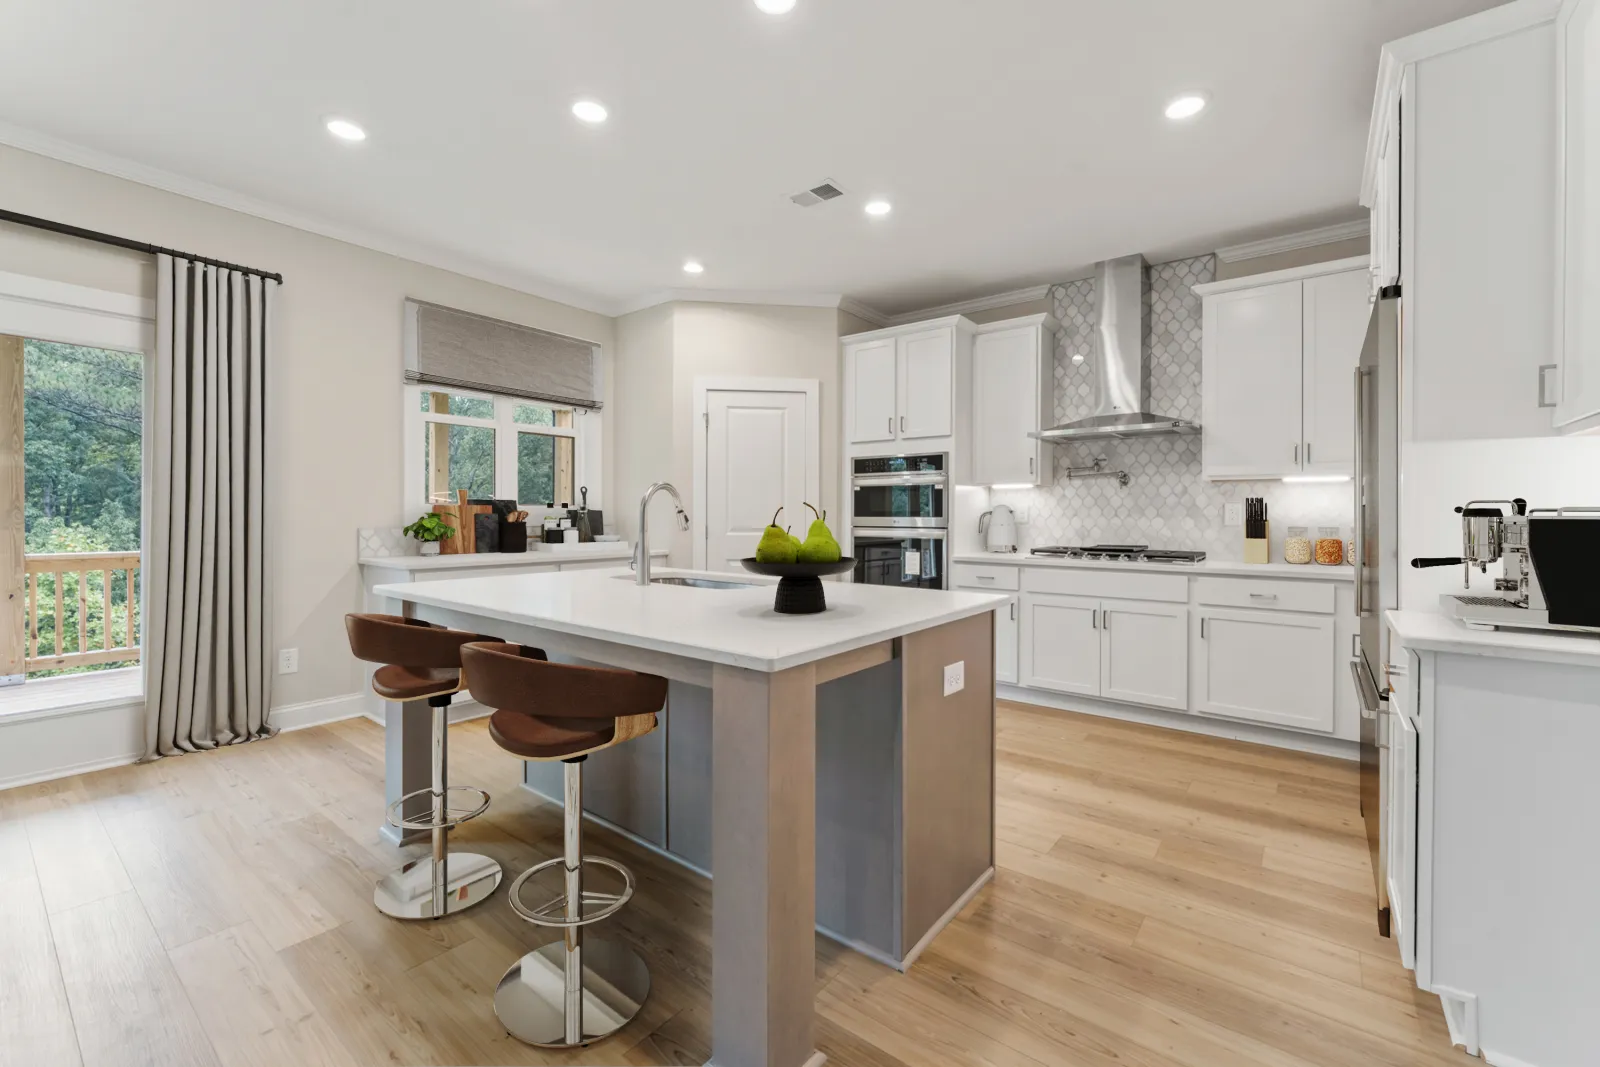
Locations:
(1551, 577)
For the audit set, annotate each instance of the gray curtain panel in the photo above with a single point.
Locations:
(208, 581)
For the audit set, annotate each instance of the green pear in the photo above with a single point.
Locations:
(819, 545)
(775, 546)
(793, 540)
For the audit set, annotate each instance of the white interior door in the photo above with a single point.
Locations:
(758, 457)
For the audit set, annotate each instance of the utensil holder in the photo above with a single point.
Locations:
(1259, 549)
(513, 537)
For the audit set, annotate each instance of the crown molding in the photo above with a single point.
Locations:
(418, 252)
(769, 297)
(862, 311)
(966, 307)
(1343, 231)
(1292, 274)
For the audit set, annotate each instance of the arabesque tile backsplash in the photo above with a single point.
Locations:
(1167, 503)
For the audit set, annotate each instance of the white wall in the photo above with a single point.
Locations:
(337, 370)
(660, 353)
(1438, 476)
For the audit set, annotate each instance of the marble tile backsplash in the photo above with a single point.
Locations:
(1167, 504)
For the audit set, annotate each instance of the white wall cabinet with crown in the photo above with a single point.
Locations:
(901, 384)
(1461, 180)
(1279, 355)
(1578, 216)
(1013, 397)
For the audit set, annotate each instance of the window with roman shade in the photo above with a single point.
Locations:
(461, 350)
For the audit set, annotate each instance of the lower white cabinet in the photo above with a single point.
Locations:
(1006, 626)
(1400, 810)
(1264, 666)
(1126, 650)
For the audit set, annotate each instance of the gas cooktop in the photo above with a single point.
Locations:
(1122, 553)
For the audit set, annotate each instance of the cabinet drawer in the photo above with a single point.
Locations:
(983, 576)
(1121, 585)
(1259, 593)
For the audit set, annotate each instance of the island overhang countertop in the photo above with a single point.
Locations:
(736, 627)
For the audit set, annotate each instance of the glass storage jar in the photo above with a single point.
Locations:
(1330, 546)
(1297, 545)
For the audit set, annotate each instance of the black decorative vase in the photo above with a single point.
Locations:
(799, 584)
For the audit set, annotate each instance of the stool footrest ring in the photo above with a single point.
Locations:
(476, 803)
(552, 912)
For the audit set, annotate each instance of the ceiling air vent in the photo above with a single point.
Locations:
(817, 194)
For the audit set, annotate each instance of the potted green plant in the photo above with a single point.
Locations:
(429, 530)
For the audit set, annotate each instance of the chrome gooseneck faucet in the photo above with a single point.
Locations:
(641, 551)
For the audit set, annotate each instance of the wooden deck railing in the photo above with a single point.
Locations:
(58, 582)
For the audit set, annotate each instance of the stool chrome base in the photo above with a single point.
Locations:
(394, 897)
(530, 1000)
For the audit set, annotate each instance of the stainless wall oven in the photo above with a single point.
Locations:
(899, 519)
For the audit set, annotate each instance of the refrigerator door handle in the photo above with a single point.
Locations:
(1358, 482)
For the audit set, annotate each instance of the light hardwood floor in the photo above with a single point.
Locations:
(1163, 900)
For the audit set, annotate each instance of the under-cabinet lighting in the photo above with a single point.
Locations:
(1013, 485)
(1305, 478)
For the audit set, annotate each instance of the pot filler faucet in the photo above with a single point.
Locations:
(641, 551)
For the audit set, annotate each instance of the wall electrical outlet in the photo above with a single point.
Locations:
(288, 660)
(955, 677)
(1233, 514)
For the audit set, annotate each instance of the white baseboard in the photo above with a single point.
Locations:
(288, 717)
(1500, 1059)
(1179, 720)
(1460, 1017)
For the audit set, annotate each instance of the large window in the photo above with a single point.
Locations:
(493, 447)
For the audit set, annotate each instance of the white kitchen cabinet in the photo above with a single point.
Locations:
(1335, 310)
(1578, 215)
(1465, 131)
(1061, 643)
(872, 379)
(1400, 836)
(1250, 382)
(1007, 624)
(900, 383)
(1012, 394)
(1117, 649)
(926, 373)
(1144, 656)
(1279, 352)
(1269, 667)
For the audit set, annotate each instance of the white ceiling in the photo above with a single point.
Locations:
(1019, 140)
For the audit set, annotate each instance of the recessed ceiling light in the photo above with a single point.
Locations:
(1186, 106)
(694, 266)
(589, 111)
(776, 7)
(346, 130)
(878, 207)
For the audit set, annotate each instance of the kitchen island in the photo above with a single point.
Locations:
(839, 767)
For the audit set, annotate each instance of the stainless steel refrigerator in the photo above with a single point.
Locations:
(1377, 564)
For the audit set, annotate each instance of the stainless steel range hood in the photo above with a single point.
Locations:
(1121, 396)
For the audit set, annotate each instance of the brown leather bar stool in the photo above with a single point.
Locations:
(421, 661)
(570, 992)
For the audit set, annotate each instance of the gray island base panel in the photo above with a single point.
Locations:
(848, 789)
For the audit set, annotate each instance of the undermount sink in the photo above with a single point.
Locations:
(697, 583)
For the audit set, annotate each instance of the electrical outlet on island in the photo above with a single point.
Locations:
(955, 677)
(288, 660)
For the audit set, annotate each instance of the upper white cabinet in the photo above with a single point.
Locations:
(1335, 310)
(1578, 215)
(1012, 396)
(1277, 381)
(1460, 178)
(900, 384)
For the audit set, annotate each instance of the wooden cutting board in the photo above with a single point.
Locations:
(464, 518)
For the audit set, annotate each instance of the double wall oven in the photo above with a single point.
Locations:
(900, 518)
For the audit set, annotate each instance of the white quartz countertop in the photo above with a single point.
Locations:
(1432, 631)
(1205, 568)
(730, 626)
(550, 555)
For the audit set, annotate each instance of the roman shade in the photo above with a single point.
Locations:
(461, 350)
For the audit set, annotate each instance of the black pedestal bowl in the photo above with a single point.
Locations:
(799, 584)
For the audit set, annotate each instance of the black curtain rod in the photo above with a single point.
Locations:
(123, 242)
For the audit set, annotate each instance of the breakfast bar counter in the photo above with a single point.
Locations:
(839, 767)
